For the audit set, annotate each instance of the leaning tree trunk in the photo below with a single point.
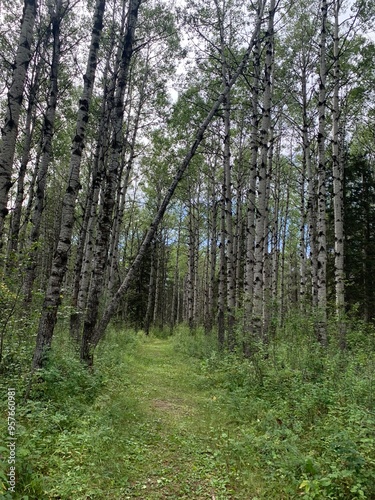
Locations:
(85, 250)
(105, 219)
(14, 103)
(29, 129)
(114, 303)
(86, 243)
(275, 239)
(123, 190)
(59, 265)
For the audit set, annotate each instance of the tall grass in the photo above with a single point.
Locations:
(304, 415)
(57, 428)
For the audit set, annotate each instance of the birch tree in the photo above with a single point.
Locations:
(13, 109)
(29, 130)
(53, 293)
(338, 176)
(227, 227)
(105, 218)
(321, 222)
(111, 308)
(250, 198)
(57, 14)
(261, 229)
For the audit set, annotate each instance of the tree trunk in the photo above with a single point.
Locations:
(158, 249)
(191, 265)
(211, 257)
(14, 102)
(221, 301)
(275, 239)
(262, 209)
(151, 290)
(267, 267)
(27, 144)
(306, 170)
(105, 219)
(47, 133)
(85, 250)
(59, 266)
(238, 246)
(321, 327)
(229, 244)
(229, 269)
(284, 229)
(120, 208)
(176, 280)
(251, 209)
(338, 176)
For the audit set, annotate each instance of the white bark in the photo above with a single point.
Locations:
(108, 199)
(321, 224)
(15, 95)
(59, 265)
(251, 193)
(261, 219)
(338, 175)
(27, 144)
(46, 150)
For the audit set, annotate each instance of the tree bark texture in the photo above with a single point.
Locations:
(108, 199)
(46, 149)
(321, 223)
(15, 95)
(261, 228)
(52, 297)
(338, 176)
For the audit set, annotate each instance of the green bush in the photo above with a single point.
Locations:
(194, 343)
(56, 427)
(306, 414)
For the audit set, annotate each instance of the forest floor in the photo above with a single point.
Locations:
(175, 419)
(172, 444)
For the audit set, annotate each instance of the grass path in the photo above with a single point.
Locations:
(151, 423)
(169, 431)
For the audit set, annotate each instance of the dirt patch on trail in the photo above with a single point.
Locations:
(175, 407)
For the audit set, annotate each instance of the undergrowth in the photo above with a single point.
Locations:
(302, 417)
(55, 426)
(293, 421)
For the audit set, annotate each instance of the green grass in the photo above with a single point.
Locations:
(143, 426)
(301, 418)
(173, 418)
